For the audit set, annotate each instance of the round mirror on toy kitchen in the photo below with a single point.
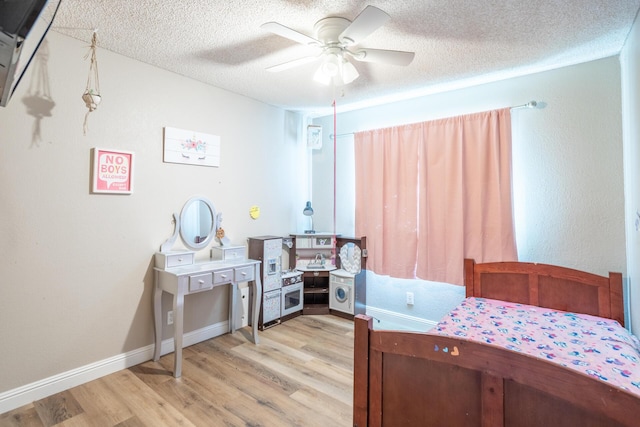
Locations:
(197, 223)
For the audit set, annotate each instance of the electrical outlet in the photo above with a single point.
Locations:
(409, 298)
(170, 317)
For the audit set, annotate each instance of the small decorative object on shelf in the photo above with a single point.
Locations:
(220, 234)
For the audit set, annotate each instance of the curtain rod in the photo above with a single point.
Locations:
(530, 104)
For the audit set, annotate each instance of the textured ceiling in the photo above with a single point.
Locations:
(456, 42)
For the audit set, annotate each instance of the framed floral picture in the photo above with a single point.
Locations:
(112, 171)
(191, 148)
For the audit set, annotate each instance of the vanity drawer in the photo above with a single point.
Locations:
(200, 282)
(228, 252)
(174, 259)
(244, 274)
(222, 276)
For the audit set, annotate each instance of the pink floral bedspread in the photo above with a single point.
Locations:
(599, 347)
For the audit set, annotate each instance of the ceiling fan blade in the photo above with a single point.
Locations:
(292, 64)
(393, 57)
(369, 20)
(290, 34)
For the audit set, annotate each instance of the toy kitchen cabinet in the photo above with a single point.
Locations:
(316, 257)
(268, 250)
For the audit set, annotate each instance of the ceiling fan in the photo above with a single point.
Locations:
(337, 38)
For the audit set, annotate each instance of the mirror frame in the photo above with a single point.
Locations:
(183, 217)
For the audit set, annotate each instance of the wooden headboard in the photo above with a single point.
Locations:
(549, 286)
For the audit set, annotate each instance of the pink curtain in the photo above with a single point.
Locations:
(430, 194)
(386, 198)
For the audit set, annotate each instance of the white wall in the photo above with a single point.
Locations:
(567, 169)
(76, 267)
(630, 64)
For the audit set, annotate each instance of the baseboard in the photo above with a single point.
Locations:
(386, 319)
(28, 393)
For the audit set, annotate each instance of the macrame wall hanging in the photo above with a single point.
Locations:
(91, 96)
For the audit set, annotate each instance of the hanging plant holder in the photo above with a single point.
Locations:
(91, 99)
(91, 95)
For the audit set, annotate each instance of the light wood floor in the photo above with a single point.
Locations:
(301, 374)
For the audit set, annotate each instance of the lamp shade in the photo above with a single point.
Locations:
(321, 77)
(308, 210)
(349, 72)
(331, 66)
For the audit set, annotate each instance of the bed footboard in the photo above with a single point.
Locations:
(412, 378)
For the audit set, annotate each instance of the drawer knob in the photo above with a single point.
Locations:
(224, 276)
(179, 259)
(201, 281)
(244, 273)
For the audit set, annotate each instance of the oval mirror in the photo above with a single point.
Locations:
(197, 223)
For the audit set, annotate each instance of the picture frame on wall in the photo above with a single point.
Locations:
(112, 171)
(314, 137)
(188, 147)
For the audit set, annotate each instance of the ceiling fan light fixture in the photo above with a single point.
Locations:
(321, 77)
(336, 70)
(331, 65)
(349, 72)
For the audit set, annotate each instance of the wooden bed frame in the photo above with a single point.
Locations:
(416, 379)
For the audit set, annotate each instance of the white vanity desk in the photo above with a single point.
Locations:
(178, 273)
(199, 277)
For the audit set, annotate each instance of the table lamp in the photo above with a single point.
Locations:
(308, 211)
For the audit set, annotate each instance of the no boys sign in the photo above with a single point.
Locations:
(112, 171)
